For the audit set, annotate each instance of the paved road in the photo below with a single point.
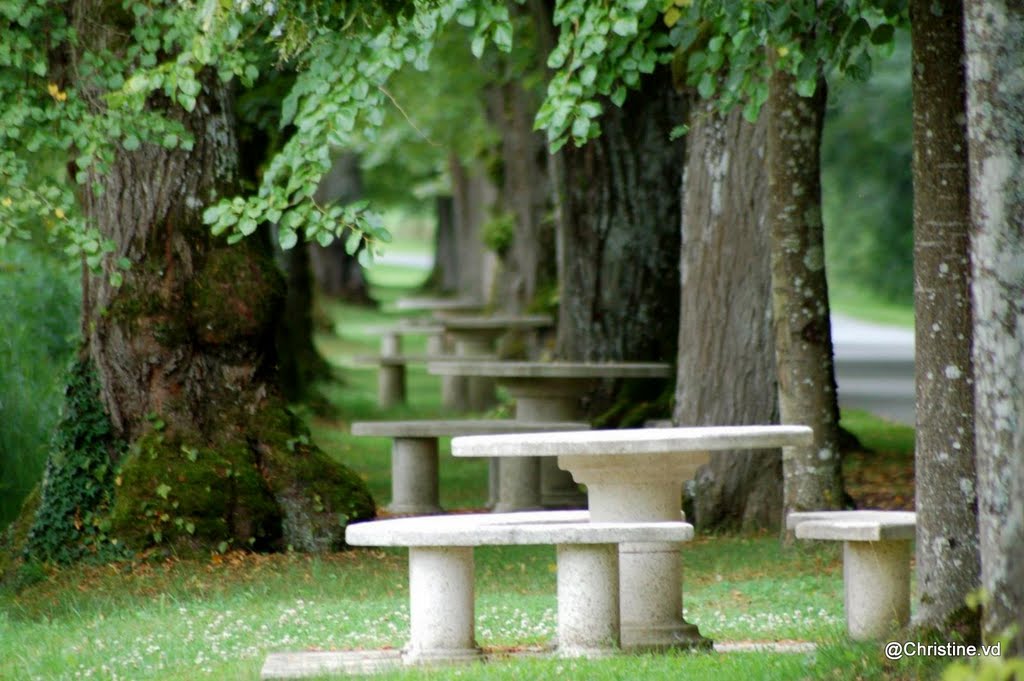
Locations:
(874, 363)
(874, 368)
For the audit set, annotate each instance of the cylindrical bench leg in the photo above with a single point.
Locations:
(441, 613)
(876, 579)
(518, 484)
(391, 343)
(435, 345)
(391, 385)
(588, 600)
(414, 477)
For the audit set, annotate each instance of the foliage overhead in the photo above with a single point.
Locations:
(90, 100)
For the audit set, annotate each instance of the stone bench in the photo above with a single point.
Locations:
(414, 458)
(876, 564)
(441, 580)
(391, 383)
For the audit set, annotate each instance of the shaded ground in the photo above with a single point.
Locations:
(881, 474)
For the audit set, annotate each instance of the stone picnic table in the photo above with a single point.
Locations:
(543, 391)
(414, 454)
(475, 336)
(637, 476)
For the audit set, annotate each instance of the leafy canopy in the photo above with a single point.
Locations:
(114, 95)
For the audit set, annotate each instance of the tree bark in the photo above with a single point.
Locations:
(300, 364)
(947, 544)
(338, 274)
(444, 275)
(473, 195)
(803, 334)
(726, 370)
(184, 352)
(529, 262)
(995, 120)
(618, 213)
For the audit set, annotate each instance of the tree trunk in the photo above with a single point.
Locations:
(184, 354)
(947, 544)
(300, 364)
(618, 212)
(726, 371)
(338, 274)
(473, 196)
(444, 277)
(803, 334)
(529, 258)
(995, 119)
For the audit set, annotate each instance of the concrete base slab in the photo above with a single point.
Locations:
(321, 663)
(360, 662)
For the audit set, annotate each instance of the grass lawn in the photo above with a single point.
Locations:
(218, 618)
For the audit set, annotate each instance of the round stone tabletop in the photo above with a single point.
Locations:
(596, 443)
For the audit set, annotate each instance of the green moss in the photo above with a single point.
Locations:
(14, 538)
(320, 497)
(636, 402)
(235, 295)
(190, 498)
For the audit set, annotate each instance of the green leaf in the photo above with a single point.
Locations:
(190, 528)
(247, 226)
(163, 490)
(130, 143)
(625, 26)
(365, 258)
(706, 86)
(588, 74)
(882, 34)
(806, 88)
(352, 242)
(477, 46)
(287, 238)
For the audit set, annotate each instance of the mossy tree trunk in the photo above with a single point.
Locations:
(947, 538)
(803, 335)
(184, 354)
(726, 370)
(995, 121)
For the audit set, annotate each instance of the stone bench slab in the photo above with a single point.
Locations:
(853, 525)
(448, 428)
(508, 529)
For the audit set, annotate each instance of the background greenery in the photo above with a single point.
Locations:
(867, 192)
(39, 304)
